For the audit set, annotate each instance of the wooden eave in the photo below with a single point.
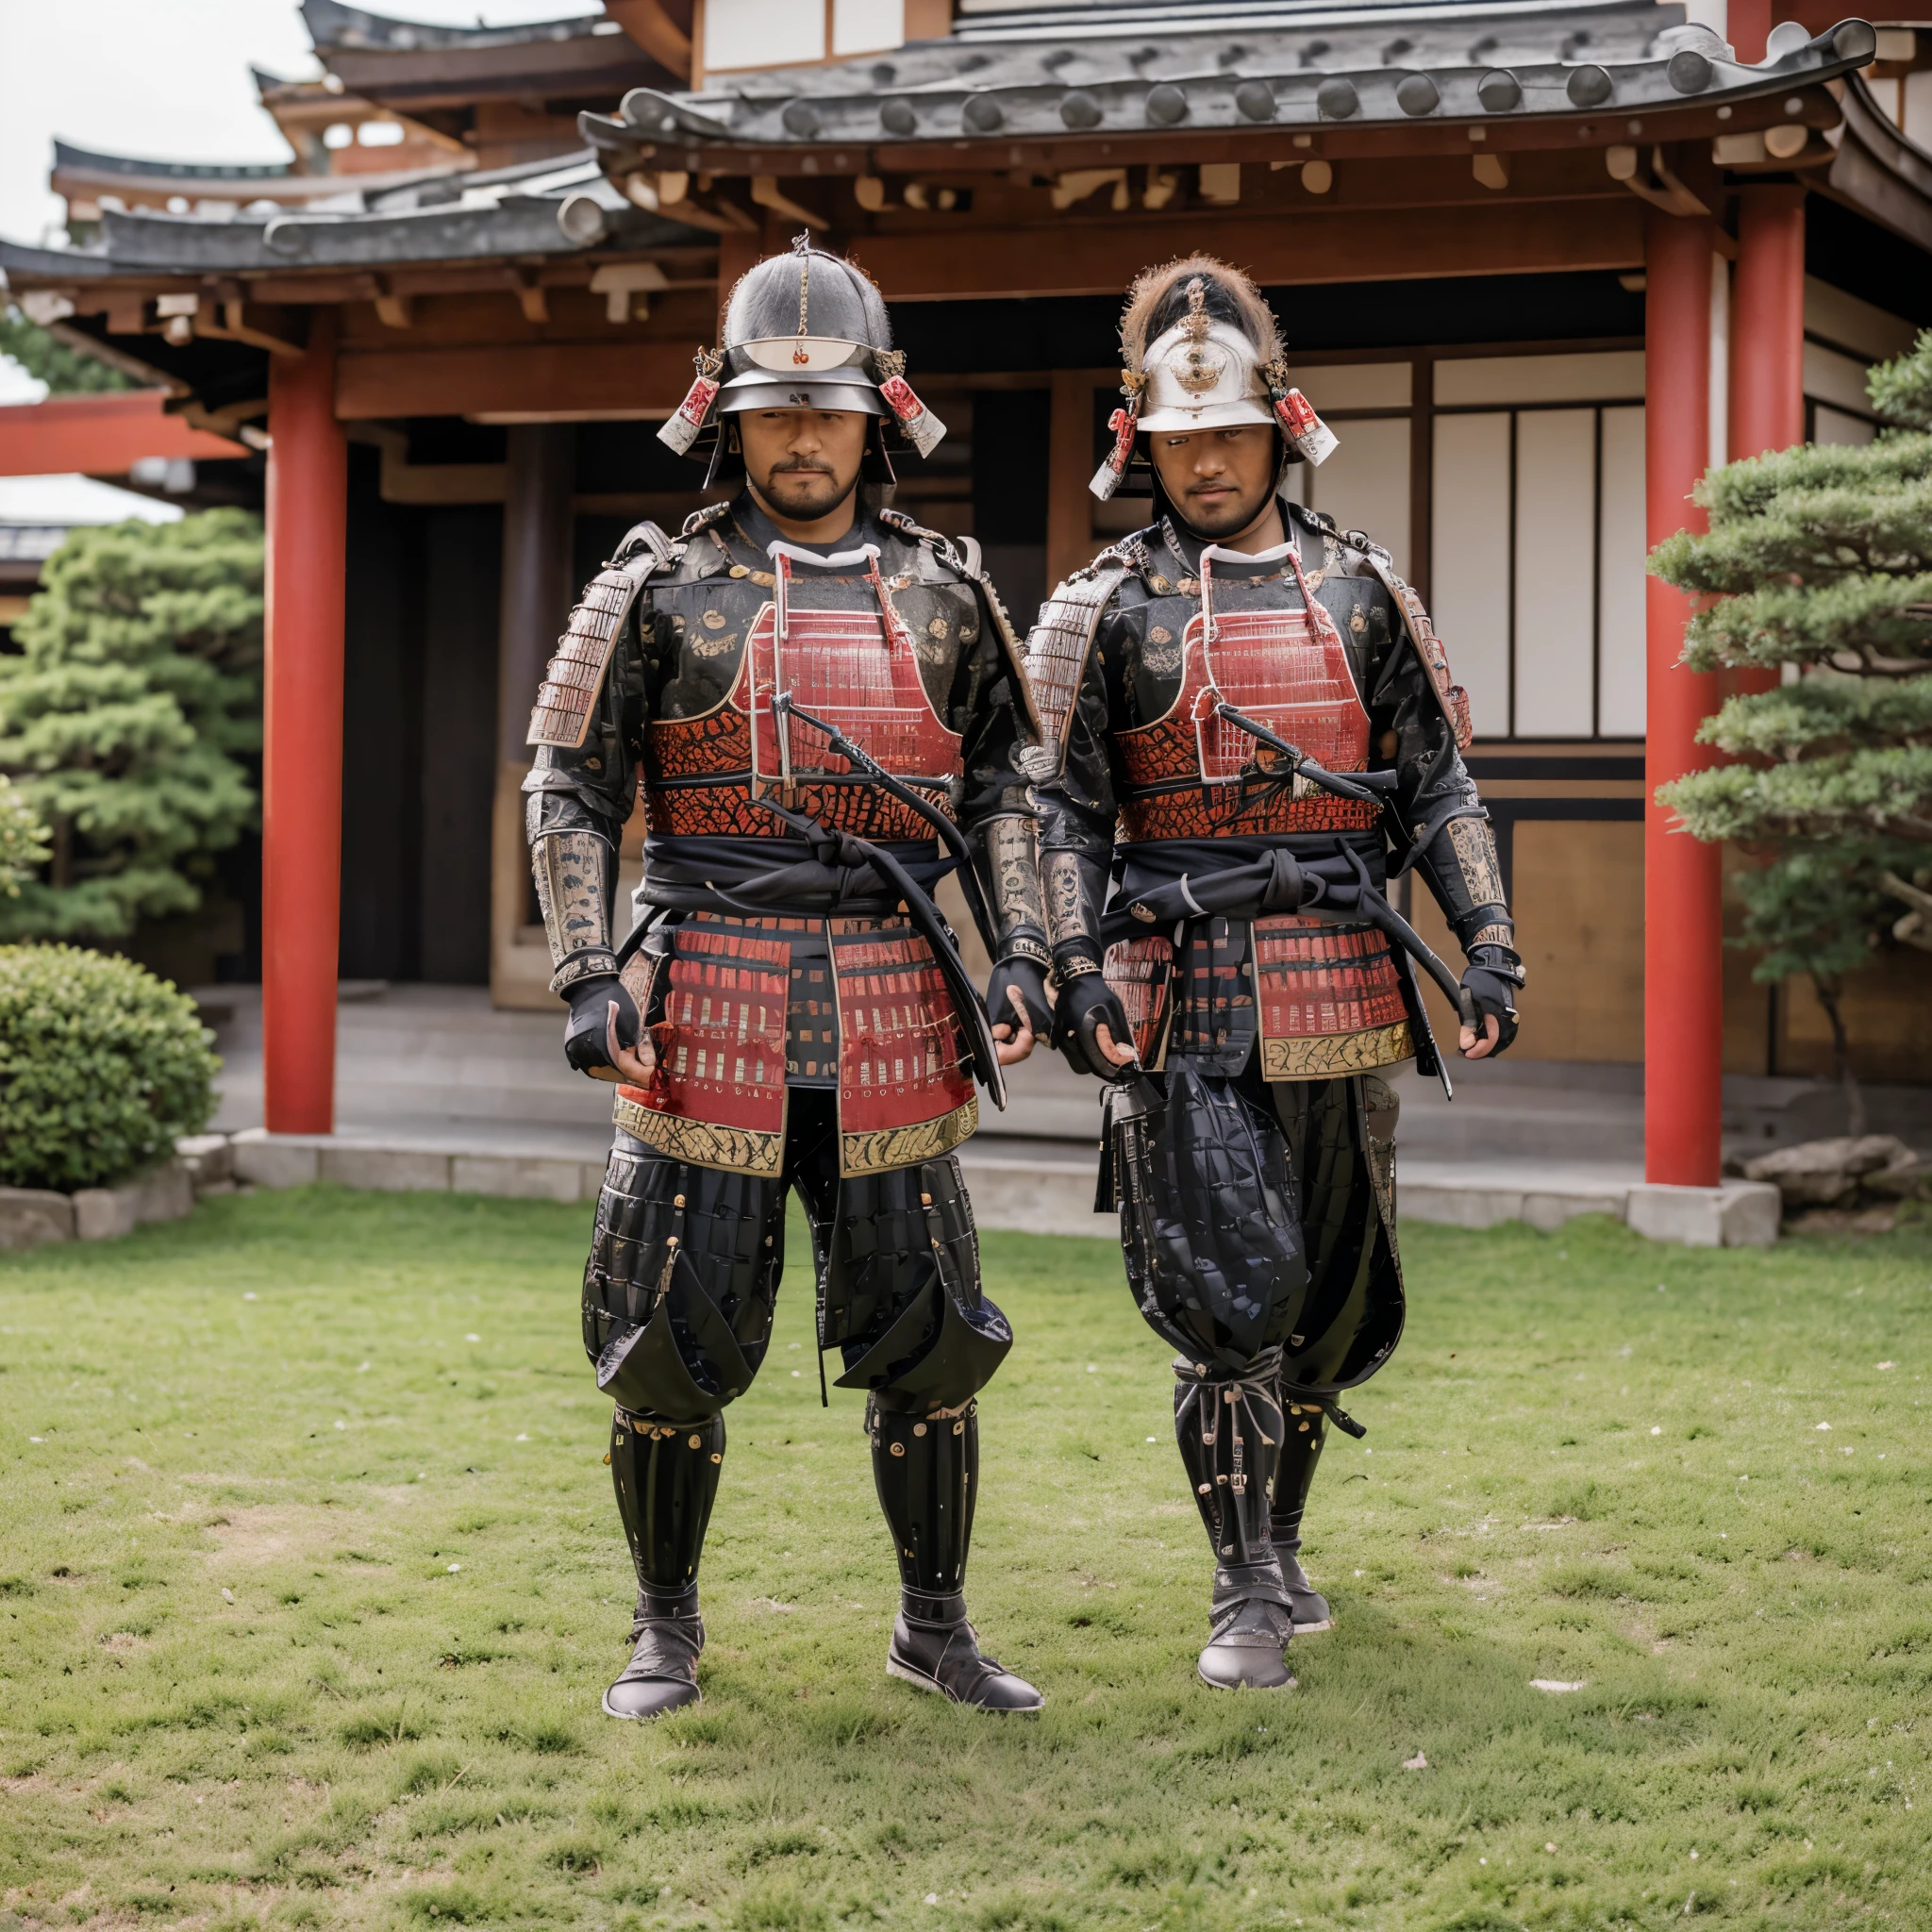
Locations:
(1878, 172)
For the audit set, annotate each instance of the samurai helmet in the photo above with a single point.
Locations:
(804, 330)
(1201, 349)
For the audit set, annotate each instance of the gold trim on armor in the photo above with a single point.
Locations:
(890, 1147)
(735, 1149)
(1322, 1056)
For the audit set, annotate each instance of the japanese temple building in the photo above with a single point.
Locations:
(1538, 264)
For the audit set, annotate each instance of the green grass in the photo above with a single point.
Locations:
(310, 1581)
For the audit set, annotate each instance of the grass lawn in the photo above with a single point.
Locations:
(310, 1580)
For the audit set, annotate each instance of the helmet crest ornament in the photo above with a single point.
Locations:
(1201, 349)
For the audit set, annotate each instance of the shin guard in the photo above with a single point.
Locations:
(928, 1472)
(1301, 1450)
(666, 1476)
(1229, 1429)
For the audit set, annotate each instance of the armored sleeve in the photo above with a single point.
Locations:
(586, 729)
(1415, 710)
(1066, 659)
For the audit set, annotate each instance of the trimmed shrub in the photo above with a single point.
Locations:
(101, 1066)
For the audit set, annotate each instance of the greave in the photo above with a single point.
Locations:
(927, 1469)
(1229, 1429)
(666, 1478)
(1301, 1450)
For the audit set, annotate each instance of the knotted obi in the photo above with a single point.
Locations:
(855, 668)
(1194, 773)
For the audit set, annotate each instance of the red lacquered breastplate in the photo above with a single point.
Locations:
(1192, 774)
(857, 670)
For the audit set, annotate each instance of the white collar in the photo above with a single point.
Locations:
(843, 560)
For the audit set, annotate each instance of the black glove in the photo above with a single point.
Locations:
(1490, 982)
(584, 1043)
(1086, 1004)
(1028, 977)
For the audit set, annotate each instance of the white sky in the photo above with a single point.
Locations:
(165, 79)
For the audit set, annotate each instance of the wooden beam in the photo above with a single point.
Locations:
(576, 378)
(1399, 245)
(100, 435)
(649, 24)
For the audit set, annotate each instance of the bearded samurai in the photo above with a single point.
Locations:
(822, 705)
(1248, 731)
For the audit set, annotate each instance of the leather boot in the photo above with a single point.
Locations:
(1251, 1624)
(934, 1647)
(926, 1467)
(667, 1634)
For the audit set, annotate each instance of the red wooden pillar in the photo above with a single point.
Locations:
(1683, 960)
(1767, 405)
(1748, 24)
(1768, 322)
(302, 754)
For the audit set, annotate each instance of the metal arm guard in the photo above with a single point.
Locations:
(1007, 855)
(1074, 887)
(576, 875)
(1210, 1224)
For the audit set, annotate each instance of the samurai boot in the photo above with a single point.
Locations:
(1250, 1622)
(667, 1634)
(934, 1647)
(666, 1476)
(1229, 1428)
(1308, 1428)
(927, 1469)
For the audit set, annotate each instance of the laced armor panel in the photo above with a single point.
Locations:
(1428, 649)
(577, 669)
(1057, 650)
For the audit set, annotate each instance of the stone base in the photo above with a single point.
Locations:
(30, 1216)
(1738, 1214)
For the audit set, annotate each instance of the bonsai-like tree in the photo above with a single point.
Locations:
(1820, 559)
(126, 719)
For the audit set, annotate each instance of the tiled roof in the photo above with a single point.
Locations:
(554, 208)
(1081, 74)
(333, 27)
(67, 157)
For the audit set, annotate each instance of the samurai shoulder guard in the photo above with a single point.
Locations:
(1057, 648)
(577, 669)
(1428, 649)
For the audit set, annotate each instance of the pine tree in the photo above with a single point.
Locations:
(127, 718)
(1821, 558)
(65, 371)
(22, 839)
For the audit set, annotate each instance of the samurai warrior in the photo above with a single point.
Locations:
(823, 706)
(1248, 733)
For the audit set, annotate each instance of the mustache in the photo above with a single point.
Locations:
(802, 465)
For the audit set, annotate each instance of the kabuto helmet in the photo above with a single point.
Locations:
(805, 331)
(1201, 349)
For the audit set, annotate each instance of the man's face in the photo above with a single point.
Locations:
(803, 462)
(1219, 479)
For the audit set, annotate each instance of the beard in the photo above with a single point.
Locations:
(806, 492)
(1226, 516)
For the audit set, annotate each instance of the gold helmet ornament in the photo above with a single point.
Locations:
(1200, 349)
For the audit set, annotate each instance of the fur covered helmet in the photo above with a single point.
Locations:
(1201, 349)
